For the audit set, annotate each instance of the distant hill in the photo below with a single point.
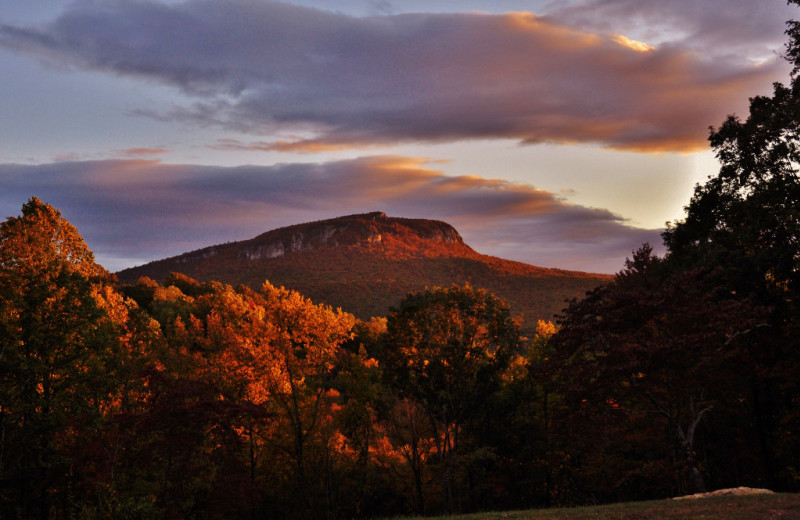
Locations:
(369, 262)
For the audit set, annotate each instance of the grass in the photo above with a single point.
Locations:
(784, 506)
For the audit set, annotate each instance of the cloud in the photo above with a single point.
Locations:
(297, 145)
(381, 6)
(738, 29)
(134, 211)
(276, 69)
(139, 152)
(127, 153)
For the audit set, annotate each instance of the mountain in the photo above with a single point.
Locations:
(366, 263)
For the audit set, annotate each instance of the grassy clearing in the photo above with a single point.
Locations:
(784, 506)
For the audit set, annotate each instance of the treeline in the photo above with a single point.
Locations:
(200, 400)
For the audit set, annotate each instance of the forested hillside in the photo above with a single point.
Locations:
(367, 263)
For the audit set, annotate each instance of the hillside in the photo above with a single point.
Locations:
(367, 263)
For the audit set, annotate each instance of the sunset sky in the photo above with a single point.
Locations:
(558, 133)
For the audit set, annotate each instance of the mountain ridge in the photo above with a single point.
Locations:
(366, 263)
(351, 230)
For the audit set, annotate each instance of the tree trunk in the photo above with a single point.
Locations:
(695, 477)
(687, 446)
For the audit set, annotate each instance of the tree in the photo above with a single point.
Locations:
(280, 349)
(48, 354)
(447, 350)
(368, 464)
(299, 355)
(526, 441)
(406, 444)
(269, 359)
(653, 347)
(745, 221)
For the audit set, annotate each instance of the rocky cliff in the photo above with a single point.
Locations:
(367, 230)
(355, 230)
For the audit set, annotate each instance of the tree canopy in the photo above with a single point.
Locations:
(706, 337)
(447, 349)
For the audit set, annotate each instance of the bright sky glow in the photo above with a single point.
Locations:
(632, 44)
(556, 133)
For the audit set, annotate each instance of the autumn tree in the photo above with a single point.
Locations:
(405, 447)
(192, 451)
(50, 355)
(298, 356)
(277, 350)
(271, 358)
(197, 432)
(370, 462)
(527, 446)
(446, 349)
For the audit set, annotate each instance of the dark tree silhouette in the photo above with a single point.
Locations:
(745, 222)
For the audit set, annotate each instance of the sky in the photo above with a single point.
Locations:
(557, 133)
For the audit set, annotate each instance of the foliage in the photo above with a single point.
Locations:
(447, 350)
(686, 366)
(745, 223)
(654, 349)
(64, 361)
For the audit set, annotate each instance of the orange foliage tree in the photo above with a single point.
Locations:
(63, 336)
(447, 350)
(274, 350)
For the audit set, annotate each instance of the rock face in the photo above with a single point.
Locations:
(354, 230)
(369, 231)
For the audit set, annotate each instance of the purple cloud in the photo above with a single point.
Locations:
(133, 211)
(269, 68)
(719, 28)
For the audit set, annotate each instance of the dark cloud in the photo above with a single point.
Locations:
(271, 68)
(133, 211)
